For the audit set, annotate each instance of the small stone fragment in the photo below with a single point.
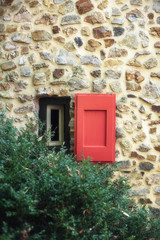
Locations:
(113, 74)
(103, 4)
(99, 85)
(46, 56)
(120, 133)
(96, 73)
(58, 73)
(156, 6)
(78, 41)
(118, 31)
(39, 79)
(84, 6)
(136, 2)
(140, 137)
(142, 109)
(55, 29)
(24, 50)
(34, 3)
(109, 42)
(134, 75)
(153, 179)
(70, 30)
(6, 2)
(22, 60)
(146, 166)
(11, 28)
(116, 86)
(144, 39)
(25, 98)
(116, 11)
(25, 71)
(125, 145)
(21, 38)
(155, 31)
(151, 63)
(151, 90)
(157, 147)
(112, 62)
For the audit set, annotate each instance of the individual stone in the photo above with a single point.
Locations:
(144, 148)
(11, 28)
(122, 107)
(2, 105)
(65, 58)
(25, 98)
(113, 74)
(152, 130)
(9, 46)
(156, 108)
(7, 17)
(47, 19)
(24, 50)
(156, 6)
(21, 38)
(125, 146)
(78, 84)
(128, 125)
(91, 60)
(96, 73)
(151, 90)
(151, 157)
(25, 71)
(25, 109)
(157, 147)
(124, 7)
(156, 189)
(142, 109)
(46, 56)
(84, 6)
(109, 42)
(124, 164)
(117, 52)
(140, 137)
(22, 60)
(85, 31)
(19, 86)
(26, 26)
(58, 73)
(136, 155)
(70, 19)
(116, 86)
(23, 15)
(158, 20)
(45, 91)
(78, 41)
(141, 53)
(157, 201)
(95, 17)
(6, 2)
(34, 3)
(39, 66)
(153, 179)
(118, 21)
(118, 31)
(134, 62)
(2, 27)
(39, 79)
(60, 39)
(12, 76)
(102, 54)
(108, 14)
(134, 75)
(116, 11)
(66, 7)
(151, 63)
(140, 191)
(120, 133)
(78, 71)
(130, 40)
(136, 2)
(144, 39)
(41, 35)
(70, 46)
(155, 31)
(112, 62)
(4, 86)
(157, 44)
(93, 43)
(8, 66)
(133, 86)
(99, 85)
(133, 15)
(103, 4)
(55, 29)
(101, 32)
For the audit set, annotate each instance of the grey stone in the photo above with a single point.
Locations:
(125, 164)
(151, 63)
(22, 60)
(9, 46)
(116, 86)
(118, 31)
(66, 7)
(96, 73)
(47, 19)
(12, 76)
(130, 40)
(113, 74)
(108, 14)
(133, 86)
(142, 109)
(25, 98)
(32, 58)
(21, 38)
(19, 86)
(7, 17)
(125, 146)
(39, 79)
(140, 53)
(22, 16)
(158, 20)
(133, 15)
(117, 52)
(78, 84)
(65, 58)
(153, 179)
(78, 41)
(120, 132)
(99, 85)
(71, 19)
(116, 11)
(118, 21)
(8, 66)
(25, 71)
(45, 91)
(93, 60)
(11, 55)
(151, 90)
(70, 46)
(146, 166)
(39, 66)
(156, 6)
(144, 148)
(157, 189)
(46, 56)
(144, 39)
(140, 191)
(124, 7)
(59, 1)
(136, 2)
(2, 27)
(148, 100)
(78, 71)
(25, 109)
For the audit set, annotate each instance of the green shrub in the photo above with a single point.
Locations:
(52, 197)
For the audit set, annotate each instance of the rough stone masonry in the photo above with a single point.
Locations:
(61, 47)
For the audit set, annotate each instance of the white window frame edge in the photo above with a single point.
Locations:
(61, 124)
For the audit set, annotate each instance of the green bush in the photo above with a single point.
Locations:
(49, 196)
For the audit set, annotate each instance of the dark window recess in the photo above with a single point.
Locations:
(55, 125)
(54, 113)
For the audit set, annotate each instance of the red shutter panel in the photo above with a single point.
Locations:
(95, 127)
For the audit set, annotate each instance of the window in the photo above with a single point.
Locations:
(95, 127)
(54, 112)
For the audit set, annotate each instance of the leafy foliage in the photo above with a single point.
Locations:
(49, 196)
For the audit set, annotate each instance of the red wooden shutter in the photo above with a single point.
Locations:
(95, 127)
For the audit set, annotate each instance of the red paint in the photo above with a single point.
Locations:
(95, 127)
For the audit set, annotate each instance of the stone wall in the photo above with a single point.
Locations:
(59, 47)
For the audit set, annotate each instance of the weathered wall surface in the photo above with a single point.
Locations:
(58, 47)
